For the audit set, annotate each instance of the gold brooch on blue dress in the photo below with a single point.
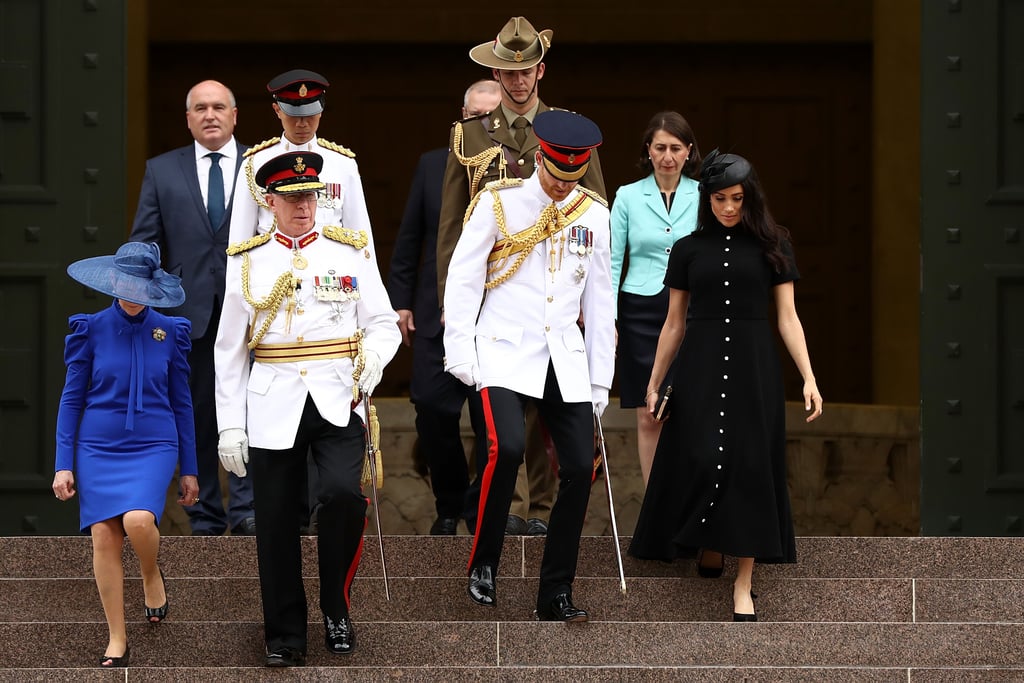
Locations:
(159, 334)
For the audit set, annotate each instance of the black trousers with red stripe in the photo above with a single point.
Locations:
(279, 481)
(572, 430)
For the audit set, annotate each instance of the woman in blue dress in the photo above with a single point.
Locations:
(124, 423)
(718, 482)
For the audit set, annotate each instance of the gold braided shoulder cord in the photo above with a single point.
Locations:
(355, 238)
(240, 247)
(479, 162)
(527, 239)
(284, 286)
(254, 189)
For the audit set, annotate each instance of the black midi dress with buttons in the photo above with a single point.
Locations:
(718, 480)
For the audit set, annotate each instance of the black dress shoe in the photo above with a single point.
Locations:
(515, 526)
(536, 527)
(561, 609)
(339, 635)
(247, 527)
(481, 585)
(444, 526)
(286, 656)
(108, 662)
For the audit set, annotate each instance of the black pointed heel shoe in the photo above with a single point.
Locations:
(108, 662)
(155, 615)
(736, 616)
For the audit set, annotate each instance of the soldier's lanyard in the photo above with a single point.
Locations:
(511, 162)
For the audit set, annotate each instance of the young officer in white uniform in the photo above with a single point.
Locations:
(310, 303)
(533, 254)
(299, 100)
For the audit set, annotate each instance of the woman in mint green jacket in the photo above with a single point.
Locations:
(647, 218)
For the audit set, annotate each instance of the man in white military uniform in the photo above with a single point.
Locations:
(310, 303)
(299, 99)
(534, 254)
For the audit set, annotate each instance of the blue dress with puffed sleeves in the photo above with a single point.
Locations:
(125, 418)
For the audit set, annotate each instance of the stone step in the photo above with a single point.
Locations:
(852, 609)
(435, 556)
(476, 644)
(565, 674)
(217, 599)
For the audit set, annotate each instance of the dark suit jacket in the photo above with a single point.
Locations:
(171, 213)
(412, 284)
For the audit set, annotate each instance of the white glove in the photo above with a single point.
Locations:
(599, 397)
(467, 373)
(372, 372)
(233, 449)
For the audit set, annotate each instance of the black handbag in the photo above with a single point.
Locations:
(663, 408)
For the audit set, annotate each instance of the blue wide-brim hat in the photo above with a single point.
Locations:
(133, 274)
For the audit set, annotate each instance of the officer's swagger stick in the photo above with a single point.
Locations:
(611, 505)
(373, 465)
(372, 454)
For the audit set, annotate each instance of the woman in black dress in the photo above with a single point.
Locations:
(718, 481)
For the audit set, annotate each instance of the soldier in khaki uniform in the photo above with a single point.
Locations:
(496, 145)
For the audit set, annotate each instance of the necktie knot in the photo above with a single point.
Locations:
(520, 125)
(215, 191)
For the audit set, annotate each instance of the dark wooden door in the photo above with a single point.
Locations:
(972, 301)
(61, 198)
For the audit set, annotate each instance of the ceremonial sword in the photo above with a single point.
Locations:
(611, 505)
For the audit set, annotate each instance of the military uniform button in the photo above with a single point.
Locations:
(522, 162)
(300, 339)
(550, 299)
(547, 328)
(302, 372)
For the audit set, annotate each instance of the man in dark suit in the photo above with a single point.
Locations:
(412, 286)
(185, 206)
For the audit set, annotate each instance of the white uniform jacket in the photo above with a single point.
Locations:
(268, 400)
(531, 317)
(341, 204)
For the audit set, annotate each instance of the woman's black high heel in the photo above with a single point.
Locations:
(155, 615)
(108, 662)
(736, 616)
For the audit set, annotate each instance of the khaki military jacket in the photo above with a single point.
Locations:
(478, 135)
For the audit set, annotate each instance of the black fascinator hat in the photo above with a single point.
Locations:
(722, 170)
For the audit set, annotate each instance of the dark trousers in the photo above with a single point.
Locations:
(572, 429)
(208, 515)
(438, 398)
(279, 478)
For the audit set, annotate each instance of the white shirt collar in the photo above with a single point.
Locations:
(290, 146)
(228, 150)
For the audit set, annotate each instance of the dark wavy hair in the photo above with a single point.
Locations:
(755, 219)
(673, 123)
